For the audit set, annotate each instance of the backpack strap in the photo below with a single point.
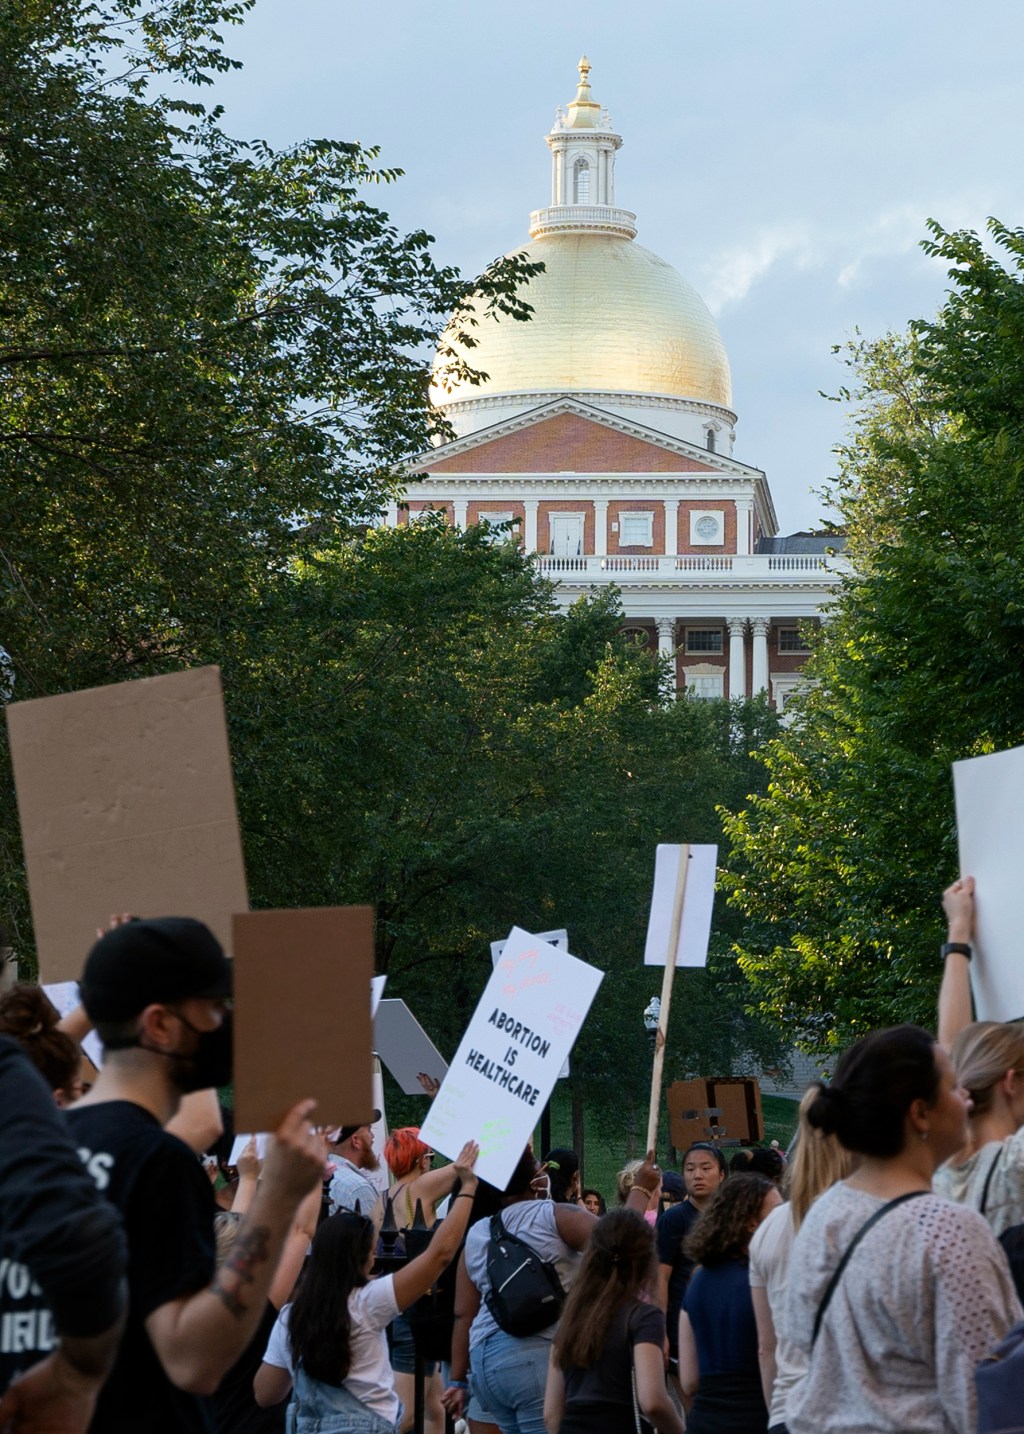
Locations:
(837, 1274)
(988, 1179)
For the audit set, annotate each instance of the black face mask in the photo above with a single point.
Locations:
(207, 1066)
(210, 1063)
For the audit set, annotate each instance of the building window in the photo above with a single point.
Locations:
(707, 527)
(581, 182)
(491, 521)
(636, 530)
(704, 683)
(704, 639)
(711, 440)
(791, 639)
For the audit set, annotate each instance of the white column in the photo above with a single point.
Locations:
(391, 516)
(759, 627)
(530, 525)
(671, 527)
(744, 508)
(460, 509)
(667, 647)
(737, 657)
(601, 526)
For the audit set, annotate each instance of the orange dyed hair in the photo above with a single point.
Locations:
(403, 1149)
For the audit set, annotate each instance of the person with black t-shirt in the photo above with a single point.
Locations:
(703, 1173)
(611, 1338)
(156, 992)
(62, 1263)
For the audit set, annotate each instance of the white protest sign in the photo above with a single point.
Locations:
(405, 1048)
(64, 995)
(989, 795)
(559, 938)
(377, 984)
(695, 928)
(241, 1141)
(507, 1063)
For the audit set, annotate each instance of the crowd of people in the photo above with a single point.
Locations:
(854, 1287)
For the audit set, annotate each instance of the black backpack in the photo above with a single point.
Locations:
(525, 1294)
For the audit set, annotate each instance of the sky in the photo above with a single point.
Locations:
(784, 156)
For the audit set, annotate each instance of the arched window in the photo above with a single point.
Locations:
(711, 440)
(581, 182)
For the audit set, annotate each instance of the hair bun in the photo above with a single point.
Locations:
(825, 1111)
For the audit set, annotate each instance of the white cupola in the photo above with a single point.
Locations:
(583, 146)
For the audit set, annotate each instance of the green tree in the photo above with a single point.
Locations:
(214, 356)
(839, 865)
(417, 725)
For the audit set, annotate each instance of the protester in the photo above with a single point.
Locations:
(759, 1160)
(988, 1172)
(625, 1182)
(893, 1349)
(507, 1373)
(156, 992)
(62, 1263)
(563, 1165)
(28, 1015)
(818, 1161)
(416, 1184)
(610, 1333)
(703, 1173)
(718, 1360)
(329, 1348)
(351, 1154)
(673, 1189)
(593, 1201)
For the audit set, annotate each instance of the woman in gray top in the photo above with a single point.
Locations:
(891, 1338)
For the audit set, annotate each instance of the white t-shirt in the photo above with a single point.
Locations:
(965, 1184)
(924, 1296)
(534, 1222)
(769, 1266)
(370, 1378)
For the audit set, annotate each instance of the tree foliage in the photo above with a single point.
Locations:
(839, 865)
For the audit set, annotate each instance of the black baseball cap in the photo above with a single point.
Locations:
(347, 1131)
(165, 959)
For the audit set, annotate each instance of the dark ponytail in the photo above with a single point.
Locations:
(876, 1082)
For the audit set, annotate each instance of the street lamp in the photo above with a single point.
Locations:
(652, 1015)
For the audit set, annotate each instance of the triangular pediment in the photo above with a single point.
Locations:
(569, 436)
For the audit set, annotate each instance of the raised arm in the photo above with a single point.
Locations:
(415, 1278)
(955, 1010)
(197, 1338)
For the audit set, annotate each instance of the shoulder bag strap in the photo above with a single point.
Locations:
(837, 1275)
(637, 1419)
(988, 1179)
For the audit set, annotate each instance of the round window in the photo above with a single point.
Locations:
(707, 527)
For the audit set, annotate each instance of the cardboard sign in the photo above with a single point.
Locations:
(989, 795)
(695, 930)
(559, 938)
(302, 1020)
(127, 804)
(725, 1110)
(405, 1048)
(508, 1061)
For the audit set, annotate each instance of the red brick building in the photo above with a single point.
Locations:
(605, 428)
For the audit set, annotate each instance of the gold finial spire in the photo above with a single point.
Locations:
(584, 112)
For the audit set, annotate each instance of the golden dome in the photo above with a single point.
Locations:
(608, 316)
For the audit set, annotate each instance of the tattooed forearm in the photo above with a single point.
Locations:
(239, 1269)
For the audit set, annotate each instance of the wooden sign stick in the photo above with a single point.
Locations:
(666, 997)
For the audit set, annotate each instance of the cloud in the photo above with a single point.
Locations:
(737, 270)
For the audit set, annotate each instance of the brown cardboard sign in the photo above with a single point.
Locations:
(723, 1109)
(126, 803)
(302, 1015)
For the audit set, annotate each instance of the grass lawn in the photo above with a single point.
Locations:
(607, 1143)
